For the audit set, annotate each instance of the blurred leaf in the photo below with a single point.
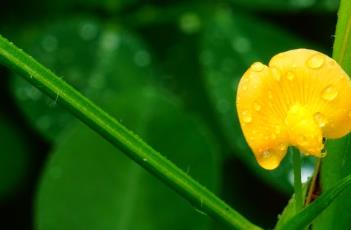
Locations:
(308, 214)
(289, 5)
(94, 58)
(14, 157)
(338, 162)
(88, 184)
(110, 6)
(230, 44)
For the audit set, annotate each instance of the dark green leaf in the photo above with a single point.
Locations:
(14, 157)
(289, 5)
(94, 58)
(88, 184)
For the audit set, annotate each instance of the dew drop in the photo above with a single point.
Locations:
(88, 31)
(190, 23)
(276, 74)
(241, 45)
(329, 93)
(290, 76)
(257, 106)
(247, 118)
(266, 154)
(320, 119)
(244, 87)
(50, 43)
(110, 41)
(282, 147)
(257, 66)
(316, 61)
(270, 95)
(142, 58)
(324, 153)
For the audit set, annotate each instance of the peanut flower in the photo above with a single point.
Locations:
(301, 97)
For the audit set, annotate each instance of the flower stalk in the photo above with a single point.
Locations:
(297, 180)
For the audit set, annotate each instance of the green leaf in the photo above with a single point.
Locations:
(308, 214)
(109, 6)
(338, 162)
(288, 5)
(113, 131)
(95, 58)
(231, 43)
(290, 209)
(14, 157)
(88, 184)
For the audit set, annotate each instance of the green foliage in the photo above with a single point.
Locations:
(76, 173)
(122, 138)
(283, 5)
(168, 71)
(308, 214)
(14, 157)
(100, 51)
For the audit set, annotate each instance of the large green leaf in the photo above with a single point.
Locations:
(230, 44)
(14, 157)
(88, 184)
(95, 58)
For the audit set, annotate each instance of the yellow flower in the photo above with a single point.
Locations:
(299, 98)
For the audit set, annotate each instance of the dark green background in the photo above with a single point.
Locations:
(167, 70)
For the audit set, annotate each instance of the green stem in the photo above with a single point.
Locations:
(297, 179)
(108, 127)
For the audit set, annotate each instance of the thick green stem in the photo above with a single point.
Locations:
(108, 127)
(297, 180)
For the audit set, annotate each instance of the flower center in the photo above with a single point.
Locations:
(305, 130)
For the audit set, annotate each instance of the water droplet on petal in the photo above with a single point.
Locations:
(320, 119)
(257, 106)
(266, 154)
(282, 147)
(276, 74)
(290, 76)
(329, 93)
(316, 61)
(247, 118)
(257, 66)
(270, 95)
(244, 87)
(324, 152)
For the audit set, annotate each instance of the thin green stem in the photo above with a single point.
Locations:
(108, 127)
(297, 179)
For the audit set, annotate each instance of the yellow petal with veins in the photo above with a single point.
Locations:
(299, 98)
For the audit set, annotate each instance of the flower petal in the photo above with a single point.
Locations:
(301, 97)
